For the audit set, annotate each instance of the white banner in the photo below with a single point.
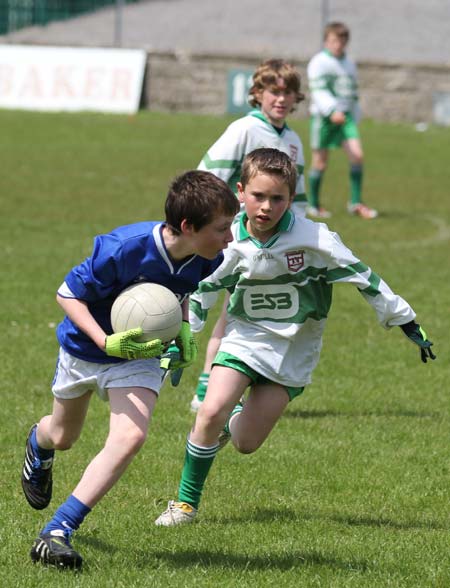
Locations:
(71, 79)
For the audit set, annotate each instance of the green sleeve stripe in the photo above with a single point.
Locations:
(318, 84)
(340, 273)
(226, 282)
(220, 163)
(196, 308)
(357, 268)
(374, 288)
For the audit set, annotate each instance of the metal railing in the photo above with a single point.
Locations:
(17, 14)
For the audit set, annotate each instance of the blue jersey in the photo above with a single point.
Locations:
(127, 255)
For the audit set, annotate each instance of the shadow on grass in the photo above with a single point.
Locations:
(389, 523)
(322, 414)
(96, 543)
(232, 561)
(260, 515)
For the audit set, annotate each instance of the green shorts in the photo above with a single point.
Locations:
(325, 134)
(233, 362)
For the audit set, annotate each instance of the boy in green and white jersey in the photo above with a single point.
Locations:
(280, 270)
(335, 114)
(274, 95)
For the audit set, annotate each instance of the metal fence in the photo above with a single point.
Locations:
(17, 14)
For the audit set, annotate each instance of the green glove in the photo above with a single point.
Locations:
(418, 336)
(186, 344)
(124, 346)
(167, 362)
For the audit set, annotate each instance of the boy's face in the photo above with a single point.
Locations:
(209, 241)
(336, 44)
(266, 198)
(277, 103)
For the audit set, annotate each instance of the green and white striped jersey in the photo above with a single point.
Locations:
(281, 295)
(253, 131)
(333, 85)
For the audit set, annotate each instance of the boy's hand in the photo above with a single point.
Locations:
(124, 346)
(187, 346)
(168, 360)
(419, 337)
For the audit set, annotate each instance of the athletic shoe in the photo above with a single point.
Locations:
(37, 480)
(195, 403)
(224, 437)
(225, 434)
(319, 212)
(177, 513)
(362, 210)
(55, 549)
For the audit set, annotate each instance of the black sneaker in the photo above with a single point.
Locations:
(36, 477)
(55, 549)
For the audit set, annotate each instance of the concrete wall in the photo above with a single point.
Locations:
(198, 83)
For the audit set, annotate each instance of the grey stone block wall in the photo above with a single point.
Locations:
(198, 84)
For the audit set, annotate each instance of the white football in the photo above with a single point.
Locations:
(150, 306)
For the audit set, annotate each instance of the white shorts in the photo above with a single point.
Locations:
(74, 377)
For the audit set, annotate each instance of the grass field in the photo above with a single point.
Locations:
(352, 487)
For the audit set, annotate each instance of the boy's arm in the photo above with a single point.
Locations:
(391, 309)
(224, 157)
(78, 312)
(208, 290)
(122, 345)
(322, 98)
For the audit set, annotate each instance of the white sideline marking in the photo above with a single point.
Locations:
(442, 234)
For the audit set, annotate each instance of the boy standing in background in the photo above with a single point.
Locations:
(335, 113)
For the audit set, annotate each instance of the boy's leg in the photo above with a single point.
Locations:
(211, 352)
(225, 388)
(354, 151)
(318, 166)
(56, 431)
(263, 407)
(131, 409)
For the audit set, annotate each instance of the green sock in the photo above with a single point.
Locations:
(202, 386)
(197, 463)
(356, 176)
(315, 179)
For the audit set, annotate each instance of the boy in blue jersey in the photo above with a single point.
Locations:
(178, 254)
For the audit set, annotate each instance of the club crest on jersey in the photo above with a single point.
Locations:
(293, 152)
(295, 260)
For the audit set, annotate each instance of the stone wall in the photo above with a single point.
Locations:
(198, 83)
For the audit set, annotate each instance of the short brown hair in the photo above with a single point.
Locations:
(198, 196)
(266, 77)
(336, 28)
(272, 162)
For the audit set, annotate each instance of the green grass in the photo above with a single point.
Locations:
(350, 490)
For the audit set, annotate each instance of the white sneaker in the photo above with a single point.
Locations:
(195, 403)
(362, 211)
(318, 212)
(177, 513)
